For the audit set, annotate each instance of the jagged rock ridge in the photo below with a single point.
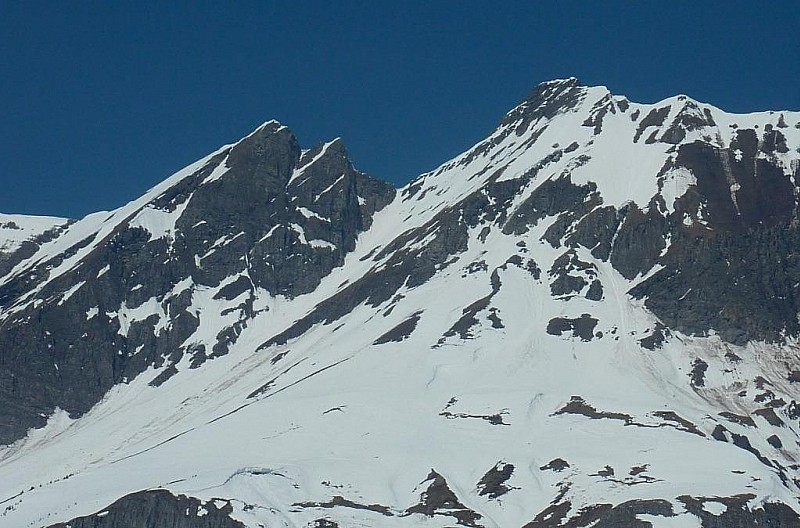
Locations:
(257, 216)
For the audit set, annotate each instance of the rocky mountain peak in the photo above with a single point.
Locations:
(271, 151)
(249, 221)
(545, 101)
(273, 337)
(553, 90)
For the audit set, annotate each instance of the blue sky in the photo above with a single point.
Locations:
(102, 100)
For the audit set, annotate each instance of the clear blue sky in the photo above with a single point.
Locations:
(102, 100)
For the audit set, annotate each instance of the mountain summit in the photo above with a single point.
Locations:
(590, 318)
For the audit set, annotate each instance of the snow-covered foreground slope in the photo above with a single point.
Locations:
(499, 348)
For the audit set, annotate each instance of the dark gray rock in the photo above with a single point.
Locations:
(765, 195)
(494, 419)
(578, 405)
(545, 101)
(655, 118)
(742, 442)
(656, 337)
(689, 118)
(678, 422)
(158, 509)
(775, 442)
(551, 517)
(571, 275)
(410, 264)
(582, 327)
(737, 272)
(463, 326)
(557, 465)
(625, 515)
(27, 248)
(738, 419)
(401, 331)
(596, 230)
(639, 240)
(698, 373)
(494, 318)
(719, 433)
(439, 499)
(551, 198)
(323, 523)
(493, 483)
(602, 107)
(244, 223)
(340, 502)
(738, 515)
(741, 285)
(770, 416)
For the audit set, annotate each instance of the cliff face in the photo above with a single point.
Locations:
(117, 293)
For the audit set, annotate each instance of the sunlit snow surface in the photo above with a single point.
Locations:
(334, 414)
(16, 229)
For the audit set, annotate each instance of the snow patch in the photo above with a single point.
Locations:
(70, 292)
(159, 223)
(308, 213)
(217, 173)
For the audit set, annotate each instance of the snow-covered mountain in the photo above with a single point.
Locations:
(590, 318)
(21, 236)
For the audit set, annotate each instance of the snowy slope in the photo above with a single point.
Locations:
(16, 229)
(478, 358)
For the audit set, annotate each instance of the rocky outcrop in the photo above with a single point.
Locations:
(730, 512)
(157, 509)
(261, 215)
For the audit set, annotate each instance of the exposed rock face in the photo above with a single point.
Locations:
(157, 509)
(736, 271)
(737, 514)
(582, 327)
(741, 284)
(494, 482)
(261, 212)
(439, 499)
(734, 514)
